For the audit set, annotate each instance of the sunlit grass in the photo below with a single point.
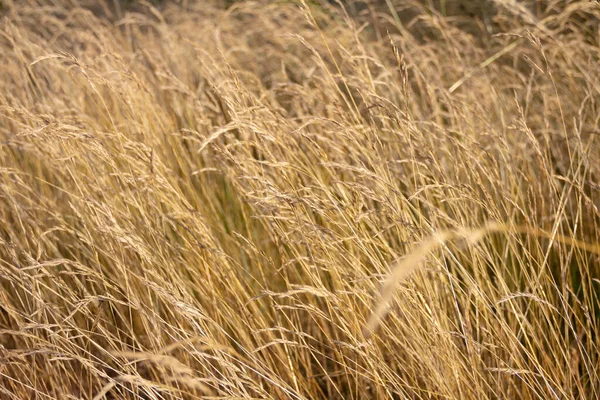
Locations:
(285, 200)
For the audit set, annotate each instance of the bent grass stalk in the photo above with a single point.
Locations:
(402, 269)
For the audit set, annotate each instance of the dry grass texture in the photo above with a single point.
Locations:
(207, 202)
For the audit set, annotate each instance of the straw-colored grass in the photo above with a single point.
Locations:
(291, 200)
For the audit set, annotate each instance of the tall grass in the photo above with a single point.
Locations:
(207, 201)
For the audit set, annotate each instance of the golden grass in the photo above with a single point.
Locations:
(227, 203)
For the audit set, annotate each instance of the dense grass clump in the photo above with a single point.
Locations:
(300, 200)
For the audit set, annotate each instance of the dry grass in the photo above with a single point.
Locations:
(198, 201)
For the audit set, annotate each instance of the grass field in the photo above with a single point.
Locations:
(299, 200)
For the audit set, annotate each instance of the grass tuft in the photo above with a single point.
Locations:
(299, 199)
